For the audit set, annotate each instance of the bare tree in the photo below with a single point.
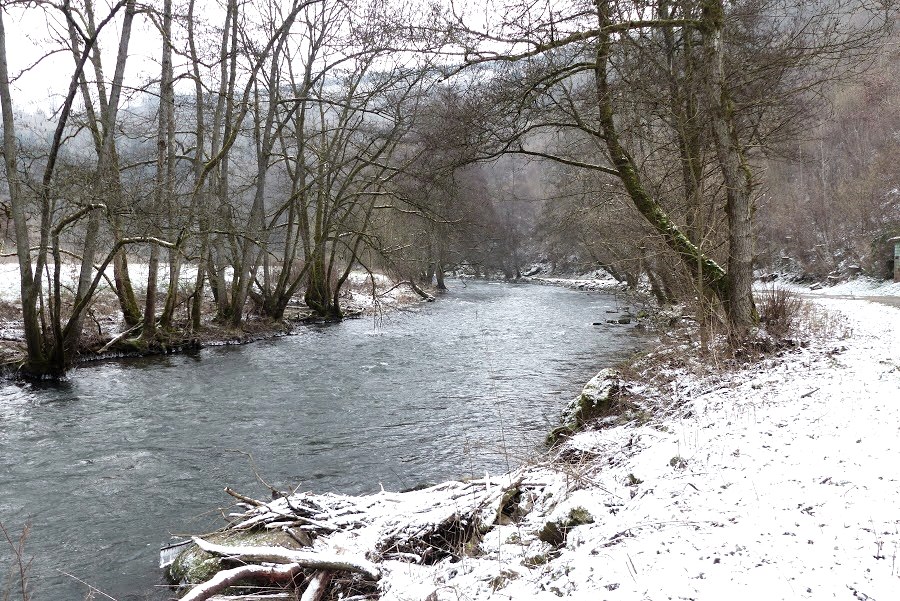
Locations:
(52, 339)
(165, 171)
(572, 69)
(340, 138)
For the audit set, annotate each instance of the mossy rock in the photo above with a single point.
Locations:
(678, 462)
(600, 397)
(555, 533)
(509, 511)
(552, 534)
(420, 486)
(131, 345)
(193, 565)
(578, 516)
(560, 433)
(536, 561)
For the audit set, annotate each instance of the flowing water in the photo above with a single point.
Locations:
(107, 465)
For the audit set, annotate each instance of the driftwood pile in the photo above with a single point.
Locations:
(343, 543)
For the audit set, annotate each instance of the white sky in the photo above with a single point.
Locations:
(31, 33)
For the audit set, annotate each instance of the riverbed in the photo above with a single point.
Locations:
(106, 466)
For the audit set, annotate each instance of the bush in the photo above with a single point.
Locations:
(779, 311)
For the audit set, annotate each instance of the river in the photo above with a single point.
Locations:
(107, 465)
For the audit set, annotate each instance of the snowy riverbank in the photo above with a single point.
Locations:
(778, 481)
(364, 294)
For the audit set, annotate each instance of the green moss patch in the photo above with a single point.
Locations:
(194, 565)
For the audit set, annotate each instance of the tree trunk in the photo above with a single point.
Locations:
(428, 277)
(318, 288)
(201, 207)
(131, 313)
(736, 175)
(163, 182)
(149, 329)
(167, 129)
(29, 286)
(108, 161)
(197, 298)
(165, 320)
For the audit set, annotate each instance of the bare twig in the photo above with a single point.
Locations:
(21, 565)
(94, 589)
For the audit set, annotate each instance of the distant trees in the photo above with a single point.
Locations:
(449, 210)
(831, 199)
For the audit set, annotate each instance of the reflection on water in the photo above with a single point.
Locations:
(108, 464)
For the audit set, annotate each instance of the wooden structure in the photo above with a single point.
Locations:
(896, 242)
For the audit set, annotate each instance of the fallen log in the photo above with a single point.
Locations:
(306, 559)
(226, 578)
(118, 338)
(283, 596)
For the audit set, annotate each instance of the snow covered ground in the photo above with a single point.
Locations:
(9, 277)
(777, 482)
(598, 279)
(357, 293)
(861, 286)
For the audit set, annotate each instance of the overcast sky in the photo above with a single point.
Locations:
(31, 33)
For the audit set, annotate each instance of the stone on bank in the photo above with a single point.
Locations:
(600, 397)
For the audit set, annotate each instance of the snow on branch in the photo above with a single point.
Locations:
(318, 560)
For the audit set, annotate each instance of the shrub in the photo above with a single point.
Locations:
(779, 310)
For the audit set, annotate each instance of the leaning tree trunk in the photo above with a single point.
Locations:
(707, 271)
